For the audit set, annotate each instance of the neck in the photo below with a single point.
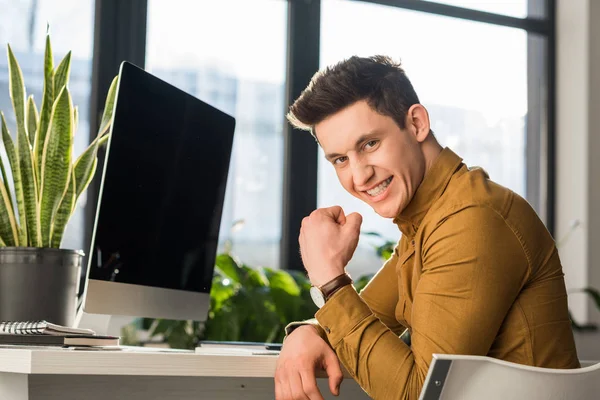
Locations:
(431, 150)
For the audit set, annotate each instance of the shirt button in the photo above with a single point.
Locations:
(413, 243)
(327, 329)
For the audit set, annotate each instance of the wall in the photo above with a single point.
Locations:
(578, 158)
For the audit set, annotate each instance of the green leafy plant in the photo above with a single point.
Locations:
(594, 295)
(384, 250)
(46, 180)
(246, 304)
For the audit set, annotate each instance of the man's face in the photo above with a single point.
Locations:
(374, 159)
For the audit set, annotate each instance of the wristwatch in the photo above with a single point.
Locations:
(321, 294)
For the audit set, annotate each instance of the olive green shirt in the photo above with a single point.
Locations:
(475, 272)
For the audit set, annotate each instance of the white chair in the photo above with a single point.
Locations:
(454, 377)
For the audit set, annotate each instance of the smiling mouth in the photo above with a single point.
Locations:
(377, 190)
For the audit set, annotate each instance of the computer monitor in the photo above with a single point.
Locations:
(156, 231)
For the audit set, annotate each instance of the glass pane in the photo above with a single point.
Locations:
(23, 25)
(214, 51)
(513, 8)
(472, 79)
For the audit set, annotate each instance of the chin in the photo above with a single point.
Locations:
(386, 212)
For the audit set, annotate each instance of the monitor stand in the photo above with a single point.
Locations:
(102, 324)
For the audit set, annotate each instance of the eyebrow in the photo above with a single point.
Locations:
(363, 138)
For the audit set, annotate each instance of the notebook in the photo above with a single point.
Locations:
(55, 340)
(40, 328)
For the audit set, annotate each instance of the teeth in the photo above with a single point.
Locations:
(377, 190)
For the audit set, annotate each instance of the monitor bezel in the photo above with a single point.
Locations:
(126, 299)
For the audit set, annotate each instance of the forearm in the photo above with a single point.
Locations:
(376, 357)
(381, 296)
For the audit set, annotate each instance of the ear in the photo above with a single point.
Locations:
(417, 118)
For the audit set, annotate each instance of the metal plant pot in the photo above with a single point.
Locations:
(39, 284)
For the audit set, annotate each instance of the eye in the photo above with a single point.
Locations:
(340, 160)
(370, 144)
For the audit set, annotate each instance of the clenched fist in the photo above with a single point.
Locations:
(328, 239)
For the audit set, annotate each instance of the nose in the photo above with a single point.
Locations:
(361, 172)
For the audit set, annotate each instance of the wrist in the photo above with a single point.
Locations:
(307, 328)
(326, 276)
(322, 293)
(300, 327)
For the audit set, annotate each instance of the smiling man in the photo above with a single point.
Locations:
(475, 271)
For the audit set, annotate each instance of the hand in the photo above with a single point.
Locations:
(303, 352)
(328, 239)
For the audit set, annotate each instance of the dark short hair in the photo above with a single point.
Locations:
(379, 80)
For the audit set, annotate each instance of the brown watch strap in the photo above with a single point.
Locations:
(335, 284)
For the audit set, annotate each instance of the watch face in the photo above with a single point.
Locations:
(317, 296)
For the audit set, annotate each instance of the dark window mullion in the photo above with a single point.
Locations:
(300, 149)
(540, 125)
(119, 35)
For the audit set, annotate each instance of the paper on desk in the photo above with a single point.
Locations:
(60, 348)
(226, 351)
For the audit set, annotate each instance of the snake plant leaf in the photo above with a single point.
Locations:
(56, 162)
(13, 159)
(75, 119)
(109, 107)
(7, 213)
(61, 75)
(9, 231)
(65, 210)
(2, 244)
(85, 165)
(17, 91)
(5, 180)
(81, 187)
(25, 157)
(102, 141)
(30, 189)
(47, 102)
(32, 119)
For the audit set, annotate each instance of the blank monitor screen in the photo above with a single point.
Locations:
(163, 189)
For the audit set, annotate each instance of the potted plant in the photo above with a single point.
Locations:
(40, 185)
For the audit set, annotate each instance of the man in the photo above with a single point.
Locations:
(475, 271)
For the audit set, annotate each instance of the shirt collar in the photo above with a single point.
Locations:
(429, 191)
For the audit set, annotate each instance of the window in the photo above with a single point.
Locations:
(472, 77)
(513, 8)
(23, 25)
(214, 51)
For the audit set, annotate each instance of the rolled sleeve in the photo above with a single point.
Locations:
(342, 312)
(312, 322)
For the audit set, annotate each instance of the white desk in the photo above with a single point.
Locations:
(63, 374)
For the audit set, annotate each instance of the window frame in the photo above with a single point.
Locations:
(120, 34)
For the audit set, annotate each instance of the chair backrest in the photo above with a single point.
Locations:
(475, 377)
